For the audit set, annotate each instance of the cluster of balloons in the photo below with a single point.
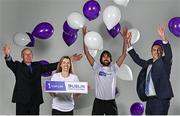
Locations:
(137, 108)
(112, 16)
(93, 40)
(71, 26)
(174, 26)
(91, 10)
(76, 21)
(43, 30)
(48, 73)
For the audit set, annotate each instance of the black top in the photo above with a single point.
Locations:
(27, 87)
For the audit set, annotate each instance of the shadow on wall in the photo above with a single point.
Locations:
(85, 100)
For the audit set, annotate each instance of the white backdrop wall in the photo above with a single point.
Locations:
(145, 15)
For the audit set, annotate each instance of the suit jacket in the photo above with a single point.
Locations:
(27, 87)
(160, 74)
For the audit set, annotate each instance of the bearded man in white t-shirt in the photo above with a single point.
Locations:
(105, 78)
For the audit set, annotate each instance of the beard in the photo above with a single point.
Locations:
(106, 63)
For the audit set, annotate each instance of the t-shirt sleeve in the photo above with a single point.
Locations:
(95, 66)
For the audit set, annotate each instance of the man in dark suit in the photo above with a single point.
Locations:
(27, 92)
(157, 90)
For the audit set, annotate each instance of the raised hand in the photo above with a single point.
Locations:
(126, 36)
(76, 57)
(7, 50)
(161, 31)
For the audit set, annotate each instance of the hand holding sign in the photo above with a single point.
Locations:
(66, 87)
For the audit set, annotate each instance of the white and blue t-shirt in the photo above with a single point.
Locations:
(64, 101)
(105, 81)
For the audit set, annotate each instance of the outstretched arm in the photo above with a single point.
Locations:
(88, 55)
(53, 66)
(166, 45)
(125, 36)
(134, 55)
(10, 63)
(6, 50)
(76, 57)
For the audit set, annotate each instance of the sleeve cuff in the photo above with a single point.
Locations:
(8, 58)
(130, 48)
(165, 42)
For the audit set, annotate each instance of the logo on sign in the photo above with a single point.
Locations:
(76, 87)
(55, 85)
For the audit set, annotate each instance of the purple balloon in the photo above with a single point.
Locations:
(68, 29)
(91, 9)
(115, 30)
(69, 38)
(48, 73)
(30, 44)
(43, 30)
(174, 26)
(158, 42)
(137, 108)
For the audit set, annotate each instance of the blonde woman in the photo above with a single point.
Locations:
(63, 103)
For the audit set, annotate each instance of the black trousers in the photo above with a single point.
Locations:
(57, 112)
(107, 107)
(27, 109)
(155, 106)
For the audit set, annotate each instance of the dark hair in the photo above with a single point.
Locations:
(108, 54)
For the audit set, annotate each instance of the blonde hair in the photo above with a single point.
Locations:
(59, 68)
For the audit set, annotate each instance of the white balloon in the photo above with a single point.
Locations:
(135, 35)
(121, 2)
(111, 16)
(101, 47)
(76, 20)
(124, 72)
(93, 40)
(21, 39)
(93, 52)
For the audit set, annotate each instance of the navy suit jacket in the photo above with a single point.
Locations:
(27, 87)
(160, 74)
